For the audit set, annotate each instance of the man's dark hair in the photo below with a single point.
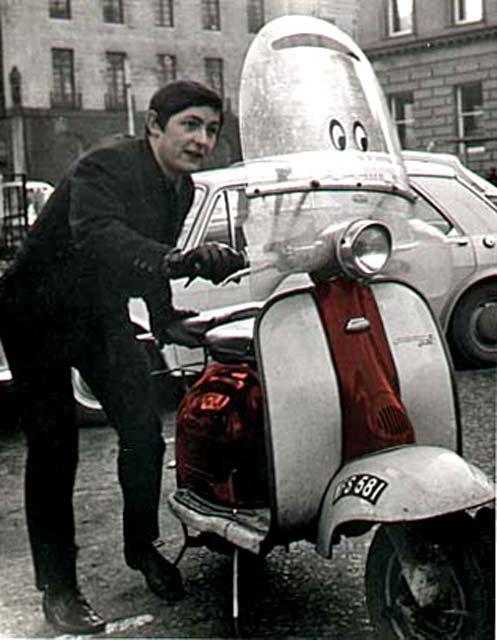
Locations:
(182, 94)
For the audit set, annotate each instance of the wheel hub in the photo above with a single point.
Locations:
(486, 323)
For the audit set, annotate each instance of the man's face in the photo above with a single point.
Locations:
(187, 138)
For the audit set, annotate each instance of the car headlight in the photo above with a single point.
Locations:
(364, 248)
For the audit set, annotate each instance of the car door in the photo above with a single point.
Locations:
(219, 218)
(439, 202)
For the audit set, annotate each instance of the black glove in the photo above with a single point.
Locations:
(160, 323)
(212, 261)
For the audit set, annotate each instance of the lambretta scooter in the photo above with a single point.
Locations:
(330, 408)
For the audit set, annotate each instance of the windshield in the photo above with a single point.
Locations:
(307, 88)
(299, 219)
(318, 142)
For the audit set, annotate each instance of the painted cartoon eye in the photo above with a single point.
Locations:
(337, 135)
(360, 136)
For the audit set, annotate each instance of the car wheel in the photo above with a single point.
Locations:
(473, 329)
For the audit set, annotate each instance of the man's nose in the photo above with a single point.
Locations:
(202, 136)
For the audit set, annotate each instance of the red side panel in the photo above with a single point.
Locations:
(220, 438)
(373, 414)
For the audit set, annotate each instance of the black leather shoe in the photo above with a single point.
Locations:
(69, 612)
(162, 577)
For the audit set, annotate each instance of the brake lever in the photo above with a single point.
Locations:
(237, 276)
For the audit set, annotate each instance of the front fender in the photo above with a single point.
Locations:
(407, 483)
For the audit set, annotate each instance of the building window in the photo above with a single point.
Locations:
(115, 98)
(59, 9)
(211, 16)
(468, 11)
(401, 108)
(469, 102)
(214, 74)
(167, 68)
(113, 11)
(63, 93)
(164, 13)
(400, 17)
(255, 15)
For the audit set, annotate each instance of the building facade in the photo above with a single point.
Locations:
(75, 71)
(436, 62)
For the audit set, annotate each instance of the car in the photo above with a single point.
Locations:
(453, 262)
(465, 303)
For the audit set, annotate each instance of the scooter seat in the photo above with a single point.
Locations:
(191, 332)
(232, 342)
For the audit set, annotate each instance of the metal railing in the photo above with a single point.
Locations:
(13, 214)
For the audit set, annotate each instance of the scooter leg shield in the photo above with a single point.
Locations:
(399, 485)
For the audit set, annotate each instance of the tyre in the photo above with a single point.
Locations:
(463, 611)
(473, 328)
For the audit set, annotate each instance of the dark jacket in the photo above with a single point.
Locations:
(101, 239)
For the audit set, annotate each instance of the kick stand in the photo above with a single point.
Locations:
(235, 604)
(189, 541)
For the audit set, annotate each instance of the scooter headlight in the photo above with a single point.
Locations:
(365, 248)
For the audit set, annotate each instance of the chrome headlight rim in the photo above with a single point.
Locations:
(363, 266)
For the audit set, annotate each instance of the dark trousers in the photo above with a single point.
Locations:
(116, 368)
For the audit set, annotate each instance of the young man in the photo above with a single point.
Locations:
(106, 234)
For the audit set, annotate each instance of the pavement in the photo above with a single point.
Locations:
(296, 596)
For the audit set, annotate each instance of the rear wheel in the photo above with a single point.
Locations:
(463, 609)
(473, 329)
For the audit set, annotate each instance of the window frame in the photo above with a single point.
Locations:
(390, 17)
(406, 122)
(167, 75)
(255, 15)
(59, 9)
(461, 114)
(461, 6)
(164, 13)
(113, 11)
(63, 77)
(114, 73)
(211, 15)
(214, 83)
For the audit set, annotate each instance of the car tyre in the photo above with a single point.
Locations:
(473, 329)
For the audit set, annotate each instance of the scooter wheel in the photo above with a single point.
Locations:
(464, 609)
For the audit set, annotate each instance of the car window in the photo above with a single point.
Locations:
(428, 213)
(198, 198)
(225, 223)
(472, 213)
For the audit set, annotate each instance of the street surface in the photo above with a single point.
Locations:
(291, 595)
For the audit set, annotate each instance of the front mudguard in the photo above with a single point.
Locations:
(403, 484)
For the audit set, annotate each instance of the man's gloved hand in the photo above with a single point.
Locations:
(160, 323)
(213, 261)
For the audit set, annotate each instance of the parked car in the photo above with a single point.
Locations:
(465, 304)
(451, 257)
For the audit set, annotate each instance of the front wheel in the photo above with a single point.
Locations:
(463, 609)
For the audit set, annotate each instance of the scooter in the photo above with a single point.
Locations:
(330, 409)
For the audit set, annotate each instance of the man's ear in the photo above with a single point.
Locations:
(151, 122)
